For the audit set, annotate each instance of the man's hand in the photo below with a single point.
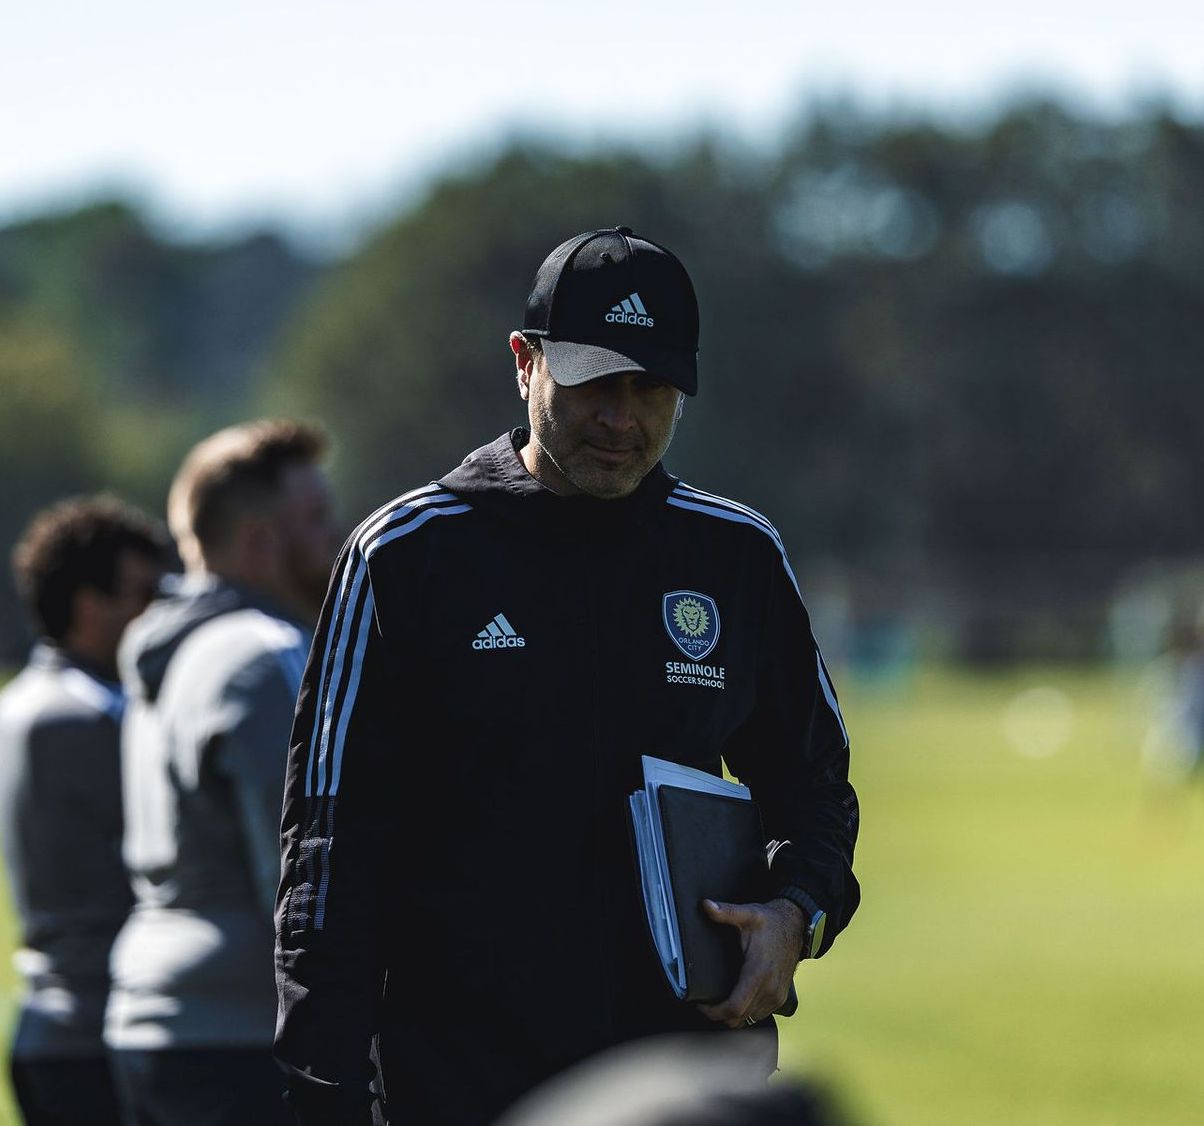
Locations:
(771, 936)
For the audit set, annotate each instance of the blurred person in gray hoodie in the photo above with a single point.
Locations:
(84, 567)
(212, 673)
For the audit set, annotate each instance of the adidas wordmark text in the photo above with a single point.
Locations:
(630, 311)
(498, 634)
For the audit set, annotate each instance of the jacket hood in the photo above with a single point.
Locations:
(151, 639)
(493, 477)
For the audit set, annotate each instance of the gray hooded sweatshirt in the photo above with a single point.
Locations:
(211, 675)
(60, 819)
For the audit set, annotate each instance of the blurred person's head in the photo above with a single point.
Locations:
(84, 568)
(707, 1079)
(253, 505)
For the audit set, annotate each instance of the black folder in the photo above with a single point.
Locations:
(715, 849)
(704, 841)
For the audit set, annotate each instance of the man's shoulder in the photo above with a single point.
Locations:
(237, 651)
(397, 521)
(13, 694)
(722, 514)
(40, 696)
(241, 636)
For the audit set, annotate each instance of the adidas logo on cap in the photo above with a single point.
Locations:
(498, 634)
(630, 311)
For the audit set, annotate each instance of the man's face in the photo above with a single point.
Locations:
(135, 583)
(599, 438)
(310, 538)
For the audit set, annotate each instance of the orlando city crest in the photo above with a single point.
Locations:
(692, 621)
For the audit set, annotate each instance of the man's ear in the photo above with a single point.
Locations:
(681, 405)
(523, 362)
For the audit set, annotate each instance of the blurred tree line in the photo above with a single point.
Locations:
(957, 366)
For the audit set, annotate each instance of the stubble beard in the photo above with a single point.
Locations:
(595, 480)
(577, 465)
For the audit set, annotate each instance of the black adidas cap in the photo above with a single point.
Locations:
(611, 301)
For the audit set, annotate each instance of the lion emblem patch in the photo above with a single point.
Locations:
(692, 621)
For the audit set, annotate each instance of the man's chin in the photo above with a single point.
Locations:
(607, 486)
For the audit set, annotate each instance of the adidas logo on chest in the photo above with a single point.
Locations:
(498, 634)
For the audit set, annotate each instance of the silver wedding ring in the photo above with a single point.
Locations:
(749, 1021)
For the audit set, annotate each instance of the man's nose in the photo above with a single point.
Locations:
(615, 407)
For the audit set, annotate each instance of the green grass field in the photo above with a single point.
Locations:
(1028, 948)
(1029, 943)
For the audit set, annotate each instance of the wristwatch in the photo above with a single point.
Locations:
(814, 916)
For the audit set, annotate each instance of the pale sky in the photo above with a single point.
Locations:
(320, 113)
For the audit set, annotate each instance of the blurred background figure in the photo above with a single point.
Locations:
(212, 673)
(84, 567)
(1173, 748)
(678, 1080)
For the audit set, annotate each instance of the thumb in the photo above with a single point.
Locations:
(720, 912)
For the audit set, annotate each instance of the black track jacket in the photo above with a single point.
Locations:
(491, 662)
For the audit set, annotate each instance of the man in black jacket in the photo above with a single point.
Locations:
(496, 652)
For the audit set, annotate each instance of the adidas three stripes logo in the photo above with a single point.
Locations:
(630, 311)
(498, 634)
